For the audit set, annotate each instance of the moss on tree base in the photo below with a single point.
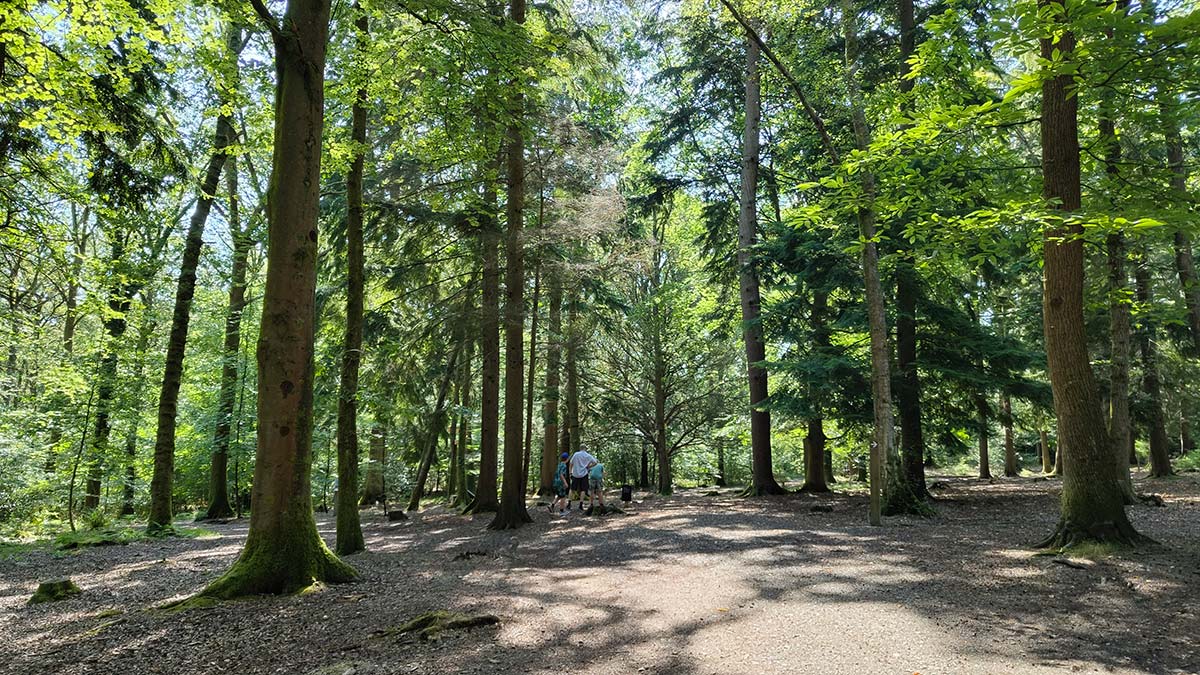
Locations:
(280, 565)
(1071, 534)
(905, 502)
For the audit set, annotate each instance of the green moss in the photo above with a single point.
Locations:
(53, 591)
(108, 536)
(1092, 550)
(194, 602)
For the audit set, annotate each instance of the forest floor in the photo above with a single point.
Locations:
(698, 583)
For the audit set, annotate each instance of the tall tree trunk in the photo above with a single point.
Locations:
(890, 490)
(1185, 263)
(145, 332)
(720, 481)
(1160, 460)
(462, 495)
(532, 384)
(512, 513)
(908, 290)
(1120, 432)
(1012, 466)
(452, 451)
(489, 340)
(569, 441)
(283, 552)
(349, 530)
(550, 396)
(763, 477)
(161, 510)
(218, 485)
(644, 474)
(982, 411)
(661, 446)
(120, 299)
(1092, 505)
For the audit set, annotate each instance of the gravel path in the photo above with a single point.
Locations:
(695, 584)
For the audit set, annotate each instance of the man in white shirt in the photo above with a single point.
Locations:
(581, 463)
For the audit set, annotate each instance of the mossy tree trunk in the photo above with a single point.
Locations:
(283, 551)
(349, 529)
(1092, 504)
(512, 513)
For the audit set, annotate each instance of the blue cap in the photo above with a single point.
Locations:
(566, 455)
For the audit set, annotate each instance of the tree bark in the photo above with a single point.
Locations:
(462, 496)
(569, 439)
(218, 485)
(890, 491)
(908, 290)
(814, 457)
(763, 477)
(531, 387)
(1092, 505)
(982, 411)
(1047, 462)
(161, 511)
(485, 500)
(373, 483)
(120, 299)
(145, 332)
(1120, 432)
(512, 513)
(349, 530)
(1185, 263)
(1160, 459)
(283, 552)
(550, 396)
(437, 426)
(1012, 466)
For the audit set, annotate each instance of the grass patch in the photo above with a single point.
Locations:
(106, 536)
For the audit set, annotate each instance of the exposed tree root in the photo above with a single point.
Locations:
(1070, 534)
(429, 625)
(510, 521)
(763, 490)
(814, 489)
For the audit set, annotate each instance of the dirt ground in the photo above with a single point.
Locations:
(697, 583)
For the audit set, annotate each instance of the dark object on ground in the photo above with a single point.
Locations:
(626, 493)
(1152, 500)
(53, 591)
(712, 493)
(591, 509)
(394, 516)
(821, 508)
(427, 626)
(1069, 563)
(467, 555)
(937, 485)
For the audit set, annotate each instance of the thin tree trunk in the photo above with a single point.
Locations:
(373, 483)
(1092, 504)
(1185, 263)
(120, 299)
(512, 513)
(145, 332)
(908, 290)
(763, 478)
(437, 425)
(283, 552)
(1047, 462)
(1160, 460)
(489, 340)
(349, 530)
(462, 495)
(532, 385)
(890, 491)
(720, 481)
(218, 485)
(982, 411)
(569, 441)
(161, 511)
(550, 396)
(1012, 466)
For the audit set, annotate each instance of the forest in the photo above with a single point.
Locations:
(872, 326)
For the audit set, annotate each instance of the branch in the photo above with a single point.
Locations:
(268, 19)
(787, 75)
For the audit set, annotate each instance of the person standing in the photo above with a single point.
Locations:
(581, 463)
(561, 478)
(596, 487)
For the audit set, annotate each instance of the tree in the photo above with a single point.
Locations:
(763, 482)
(349, 532)
(1092, 508)
(283, 552)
